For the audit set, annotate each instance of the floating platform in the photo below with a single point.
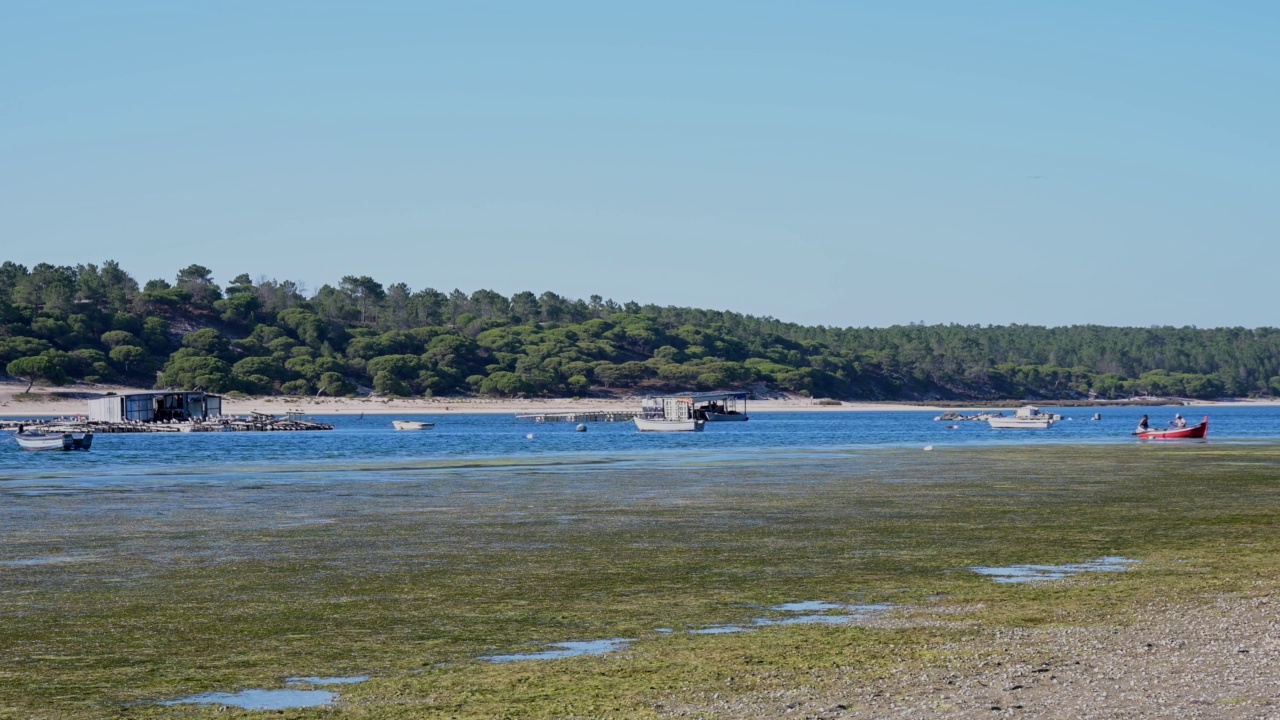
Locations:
(585, 416)
(255, 422)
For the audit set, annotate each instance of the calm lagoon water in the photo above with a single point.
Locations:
(367, 447)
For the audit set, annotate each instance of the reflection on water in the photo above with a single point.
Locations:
(567, 650)
(51, 560)
(809, 606)
(1034, 573)
(718, 630)
(819, 612)
(261, 699)
(805, 612)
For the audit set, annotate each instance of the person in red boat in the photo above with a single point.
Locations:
(1144, 424)
(1179, 421)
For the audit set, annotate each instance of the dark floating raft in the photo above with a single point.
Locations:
(254, 422)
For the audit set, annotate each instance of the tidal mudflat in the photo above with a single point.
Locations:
(165, 591)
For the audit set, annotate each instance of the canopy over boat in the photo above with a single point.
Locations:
(1186, 433)
(688, 411)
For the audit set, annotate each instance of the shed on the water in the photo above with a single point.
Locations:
(158, 406)
(716, 406)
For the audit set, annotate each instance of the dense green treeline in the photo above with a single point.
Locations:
(98, 324)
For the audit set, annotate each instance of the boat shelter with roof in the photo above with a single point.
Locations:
(155, 406)
(700, 405)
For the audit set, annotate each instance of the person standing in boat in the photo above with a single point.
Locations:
(1144, 424)
(1179, 421)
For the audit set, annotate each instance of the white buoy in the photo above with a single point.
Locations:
(927, 448)
(529, 436)
(582, 427)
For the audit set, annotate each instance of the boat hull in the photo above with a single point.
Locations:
(1020, 423)
(63, 441)
(1194, 432)
(411, 425)
(726, 417)
(644, 425)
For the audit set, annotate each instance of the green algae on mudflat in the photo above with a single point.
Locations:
(210, 588)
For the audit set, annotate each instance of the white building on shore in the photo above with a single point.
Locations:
(155, 406)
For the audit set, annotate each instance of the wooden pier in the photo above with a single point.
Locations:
(583, 416)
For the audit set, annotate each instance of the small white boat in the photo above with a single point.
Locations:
(1027, 417)
(411, 425)
(59, 441)
(660, 425)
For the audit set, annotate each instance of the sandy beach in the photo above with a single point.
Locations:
(70, 400)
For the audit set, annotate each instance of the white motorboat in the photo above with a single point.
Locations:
(1027, 417)
(660, 425)
(411, 425)
(53, 441)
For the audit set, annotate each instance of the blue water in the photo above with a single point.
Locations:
(1036, 573)
(261, 699)
(371, 444)
(566, 650)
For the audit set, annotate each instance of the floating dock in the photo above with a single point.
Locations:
(254, 422)
(584, 416)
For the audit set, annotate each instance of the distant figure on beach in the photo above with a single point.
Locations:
(1179, 421)
(1144, 424)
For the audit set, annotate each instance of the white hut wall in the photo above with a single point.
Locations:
(106, 409)
(676, 409)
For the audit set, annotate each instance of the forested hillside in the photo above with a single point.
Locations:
(98, 324)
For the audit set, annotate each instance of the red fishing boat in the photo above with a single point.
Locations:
(1185, 433)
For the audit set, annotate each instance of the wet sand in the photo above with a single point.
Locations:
(128, 594)
(70, 400)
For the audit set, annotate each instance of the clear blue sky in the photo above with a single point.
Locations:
(844, 163)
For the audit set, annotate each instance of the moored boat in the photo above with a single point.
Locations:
(1027, 417)
(52, 441)
(1191, 432)
(660, 425)
(731, 416)
(672, 413)
(723, 406)
(411, 425)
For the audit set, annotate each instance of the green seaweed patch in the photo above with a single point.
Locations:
(213, 588)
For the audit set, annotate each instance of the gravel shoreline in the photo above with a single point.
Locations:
(1216, 660)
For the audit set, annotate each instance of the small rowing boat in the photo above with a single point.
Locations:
(411, 425)
(55, 441)
(1187, 433)
(660, 425)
